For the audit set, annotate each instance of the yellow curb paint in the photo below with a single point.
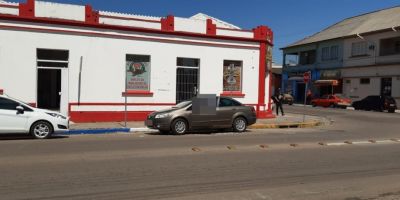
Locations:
(286, 125)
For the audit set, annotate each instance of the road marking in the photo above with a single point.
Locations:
(196, 149)
(362, 142)
(336, 144)
(294, 145)
(231, 147)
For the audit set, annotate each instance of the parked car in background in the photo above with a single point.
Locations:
(18, 117)
(288, 99)
(376, 102)
(334, 101)
(179, 119)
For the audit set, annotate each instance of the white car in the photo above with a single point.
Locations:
(18, 117)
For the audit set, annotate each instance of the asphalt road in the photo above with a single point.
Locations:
(211, 166)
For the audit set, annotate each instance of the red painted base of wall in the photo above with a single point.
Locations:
(103, 116)
(265, 115)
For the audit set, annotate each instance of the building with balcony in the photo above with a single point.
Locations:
(358, 56)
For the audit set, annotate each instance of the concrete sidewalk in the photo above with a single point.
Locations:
(287, 121)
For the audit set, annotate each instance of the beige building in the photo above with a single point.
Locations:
(361, 54)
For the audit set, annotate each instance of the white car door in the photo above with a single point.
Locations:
(10, 120)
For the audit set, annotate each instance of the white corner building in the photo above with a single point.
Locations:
(86, 63)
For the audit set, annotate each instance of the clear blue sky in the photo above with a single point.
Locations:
(291, 20)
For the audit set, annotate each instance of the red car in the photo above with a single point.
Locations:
(332, 101)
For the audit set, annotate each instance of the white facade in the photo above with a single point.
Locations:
(372, 66)
(103, 52)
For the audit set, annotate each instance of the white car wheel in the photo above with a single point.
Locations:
(41, 130)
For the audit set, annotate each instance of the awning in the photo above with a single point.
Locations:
(296, 78)
(326, 82)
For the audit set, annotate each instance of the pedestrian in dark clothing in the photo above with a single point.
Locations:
(309, 97)
(278, 100)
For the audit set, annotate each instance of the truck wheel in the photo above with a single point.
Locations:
(41, 130)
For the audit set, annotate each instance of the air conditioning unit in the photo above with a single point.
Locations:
(371, 47)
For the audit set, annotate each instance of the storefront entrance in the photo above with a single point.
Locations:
(52, 80)
(187, 78)
(186, 83)
(49, 88)
(386, 86)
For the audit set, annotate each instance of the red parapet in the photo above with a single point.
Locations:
(211, 28)
(263, 33)
(168, 23)
(91, 16)
(27, 9)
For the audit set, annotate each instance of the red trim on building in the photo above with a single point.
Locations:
(1, 91)
(8, 6)
(64, 22)
(110, 116)
(232, 94)
(91, 16)
(124, 37)
(137, 93)
(130, 18)
(27, 9)
(263, 33)
(261, 78)
(168, 23)
(211, 28)
(100, 116)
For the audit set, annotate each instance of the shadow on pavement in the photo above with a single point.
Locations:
(26, 137)
(200, 132)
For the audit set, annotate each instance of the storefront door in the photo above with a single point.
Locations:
(186, 83)
(386, 86)
(52, 79)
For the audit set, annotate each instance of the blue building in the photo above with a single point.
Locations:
(323, 59)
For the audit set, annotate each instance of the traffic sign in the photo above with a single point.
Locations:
(307, 76)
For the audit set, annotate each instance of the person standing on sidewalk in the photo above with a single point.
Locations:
(278, 100)
(309, 97)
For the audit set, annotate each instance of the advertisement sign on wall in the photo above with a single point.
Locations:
(232, 76)
(138, 74)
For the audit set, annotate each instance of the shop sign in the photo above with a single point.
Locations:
(138, 75)
(330, 74)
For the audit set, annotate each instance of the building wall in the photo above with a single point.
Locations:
(373, 57)
(356, 91)
(329, 64)
(103, 74)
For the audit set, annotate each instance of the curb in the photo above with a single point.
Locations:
(132, 130)
(287, 125)
(101, 131)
